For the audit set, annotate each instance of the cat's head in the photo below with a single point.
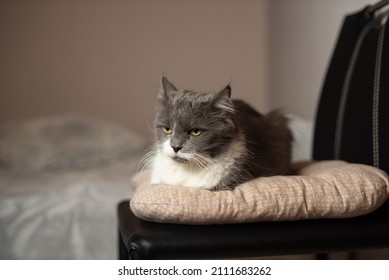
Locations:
(191, 126)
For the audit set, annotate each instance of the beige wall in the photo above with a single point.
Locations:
(104, 58)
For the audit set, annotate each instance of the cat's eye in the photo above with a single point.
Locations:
(166, 130)
(195, 132)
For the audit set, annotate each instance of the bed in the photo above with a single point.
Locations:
(60, 181)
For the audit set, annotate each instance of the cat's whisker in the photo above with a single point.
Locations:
(205, 159)
(202, 161)
(150, 128)
(201, 164)
(146, 160)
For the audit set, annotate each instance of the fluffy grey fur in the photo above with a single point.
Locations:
(201, 130)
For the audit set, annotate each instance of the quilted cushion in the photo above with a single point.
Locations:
(327, 189)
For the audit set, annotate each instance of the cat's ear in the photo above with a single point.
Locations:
(226, 91)
(223, 101)
(165, 87)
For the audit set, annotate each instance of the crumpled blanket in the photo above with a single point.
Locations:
(60, 182)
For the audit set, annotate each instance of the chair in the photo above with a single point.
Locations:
(350, 125)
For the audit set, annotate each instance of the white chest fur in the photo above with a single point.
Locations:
(165, 170)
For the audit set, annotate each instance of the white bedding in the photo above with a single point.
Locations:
(60, 182)
(63, 215)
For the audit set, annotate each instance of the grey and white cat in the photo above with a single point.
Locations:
(208, 141)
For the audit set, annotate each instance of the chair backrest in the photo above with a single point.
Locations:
(352, 121)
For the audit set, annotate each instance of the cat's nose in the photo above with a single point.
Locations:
(176, 148)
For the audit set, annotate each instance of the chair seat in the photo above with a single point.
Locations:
(147, 240)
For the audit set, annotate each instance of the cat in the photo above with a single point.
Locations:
(208, 141)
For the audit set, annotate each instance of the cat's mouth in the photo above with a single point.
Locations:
(180, 159)
(178, 156)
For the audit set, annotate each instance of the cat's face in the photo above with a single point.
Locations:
(193, 127)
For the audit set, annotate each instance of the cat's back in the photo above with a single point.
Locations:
(268, 140)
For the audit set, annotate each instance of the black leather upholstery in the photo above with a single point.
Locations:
(350, 125)
(352, 121)
(147, 240)
(353, 113)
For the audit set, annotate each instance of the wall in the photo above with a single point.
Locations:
(302, 35)
(104, 58)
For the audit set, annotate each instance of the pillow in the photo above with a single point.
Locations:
(327, 189)
(63, 142)
(302, 130)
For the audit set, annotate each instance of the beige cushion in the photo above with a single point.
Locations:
(328, 189)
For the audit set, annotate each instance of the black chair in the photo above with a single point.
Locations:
(350, 125)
